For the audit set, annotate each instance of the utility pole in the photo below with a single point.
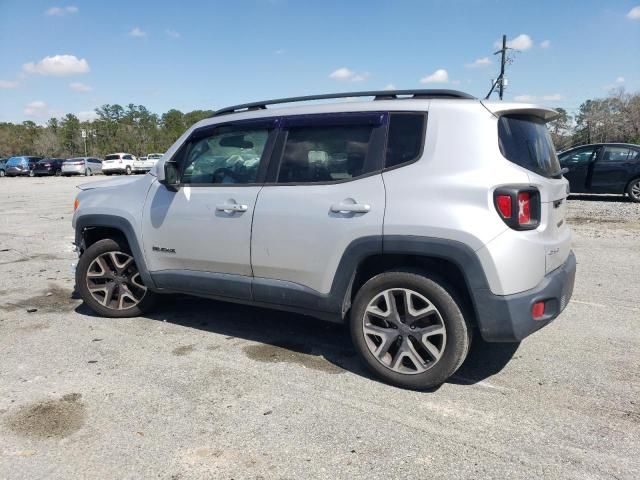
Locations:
(503, 51)
(500, 81)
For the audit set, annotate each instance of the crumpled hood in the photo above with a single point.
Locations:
(112, 182)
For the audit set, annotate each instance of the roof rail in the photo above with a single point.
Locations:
(377, 94)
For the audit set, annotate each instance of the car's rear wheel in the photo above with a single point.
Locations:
(409, 329)
(109, 281)
(58, 172)
(2, 174)
(633, 190)
(127, 170)
(32, 173)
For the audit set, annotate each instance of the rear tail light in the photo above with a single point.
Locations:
(519, 207)
(503, 202)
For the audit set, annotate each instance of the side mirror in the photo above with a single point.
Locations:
(171, 176)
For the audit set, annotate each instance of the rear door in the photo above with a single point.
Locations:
(612, 169)
(579, 162)
(325, 191)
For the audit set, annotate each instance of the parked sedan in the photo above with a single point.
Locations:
(82, 166)
(48, 166)
(22, 165)
(603, 168)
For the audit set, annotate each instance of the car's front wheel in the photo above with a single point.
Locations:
(127, 170)
(409, 329)
(633, 190)
(109, 281)
(32, 173)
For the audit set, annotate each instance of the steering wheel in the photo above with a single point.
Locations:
(220, 173)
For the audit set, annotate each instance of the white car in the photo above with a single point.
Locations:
(418, 234)
(118, 163)
(144, 164)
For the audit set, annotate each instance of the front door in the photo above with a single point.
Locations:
(579, 163)
(201, 233)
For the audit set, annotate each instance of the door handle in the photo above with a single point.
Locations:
(350, 208)
(231, 207)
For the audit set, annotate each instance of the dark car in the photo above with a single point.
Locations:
(3, 166)
(21, 165)
(49, 166)
(603, 168)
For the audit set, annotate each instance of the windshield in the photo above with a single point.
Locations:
(525, 141)
(15, 161)
(154, 156)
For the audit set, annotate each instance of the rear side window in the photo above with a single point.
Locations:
(618, 154)
(525, 141)
(325, 153)
(406, 138)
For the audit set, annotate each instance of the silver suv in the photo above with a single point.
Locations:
(420, 219)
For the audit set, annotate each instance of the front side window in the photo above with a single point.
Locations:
(525, 141)
(406, 137)
(581, 155)
(315, 154)
(229, 155)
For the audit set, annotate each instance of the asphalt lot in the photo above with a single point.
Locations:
(203, 389)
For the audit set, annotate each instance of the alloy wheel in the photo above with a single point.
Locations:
(404, 331)
(635, 190)
(114, 281)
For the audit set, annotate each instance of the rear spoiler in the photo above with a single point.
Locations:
(504, 108)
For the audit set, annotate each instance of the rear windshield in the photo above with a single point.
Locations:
(74, 160)
(525, 141)
(112, 157)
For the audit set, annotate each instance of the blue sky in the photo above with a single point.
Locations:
(58, 57)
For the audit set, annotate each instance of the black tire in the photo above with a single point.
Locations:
(2, 173)
(633, 190)
(127, 170)
(87, 172)
(58, 172)
(458, 331)
(32, 173)
(107, 173)
(107, 245)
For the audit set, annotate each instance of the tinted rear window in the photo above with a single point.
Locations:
(525, 141)
(112, 157)
(406, 136)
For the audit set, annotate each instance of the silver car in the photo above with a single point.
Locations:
(418, 234)
(82, 166)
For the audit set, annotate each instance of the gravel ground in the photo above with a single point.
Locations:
(203, 389)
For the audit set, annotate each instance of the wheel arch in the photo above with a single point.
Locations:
(93, 227)
(451, 261)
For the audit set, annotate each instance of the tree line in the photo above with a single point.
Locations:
(615, 118)
(134, 129)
